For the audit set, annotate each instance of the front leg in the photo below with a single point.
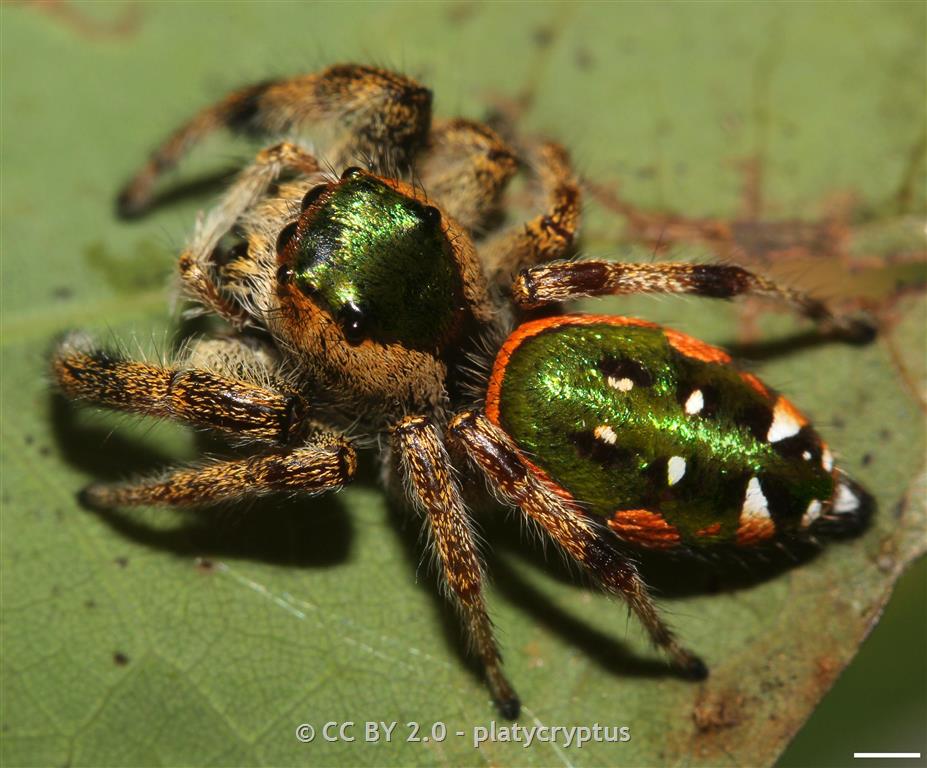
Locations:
(568, 280)
(581, 537)
(381, 116)
(228, 400)
(427, 469)
(196, 264)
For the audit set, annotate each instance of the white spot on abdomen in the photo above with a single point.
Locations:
(811, 514)
(695, 403)
(606, 434)
(755, 524)
(675, 469)
(784, 423)
(755, 504)
(845, 500)
(827, 460)
(623, 385)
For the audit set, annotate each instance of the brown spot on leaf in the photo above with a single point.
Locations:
(584, 58)
(533, 652)
(825, 671)
(719, 711)
(462, 12)
(543, 36)
(88, 27)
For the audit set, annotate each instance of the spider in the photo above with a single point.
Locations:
(357, 301)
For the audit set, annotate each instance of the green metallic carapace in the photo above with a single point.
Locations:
(372, 252)
(623, 420)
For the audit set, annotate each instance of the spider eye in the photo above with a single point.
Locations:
(431, 216)
(284, 274)
(350, 173)
(233, 245)
(313, 194)
(352, 320)
(286, 234)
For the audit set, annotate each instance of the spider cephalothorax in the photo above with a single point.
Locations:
(363, 298)
(372, 268)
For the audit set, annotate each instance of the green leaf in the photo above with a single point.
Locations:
(787, 138)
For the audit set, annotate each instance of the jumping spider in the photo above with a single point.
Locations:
(362, 298)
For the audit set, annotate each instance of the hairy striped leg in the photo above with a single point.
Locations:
(427, 469)
(197, 396)
(326, 464)
(579, 535)
(204, 398)
(567, 280)
(548, 235)
(378, 115)
(196, 263)
(466, 166)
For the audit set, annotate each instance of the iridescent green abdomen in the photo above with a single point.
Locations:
(658, 433)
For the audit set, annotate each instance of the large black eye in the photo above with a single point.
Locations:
(238, 251)
(352, 321)
(431, 216)
(350, 173)
(313, 194)
(232, 245)
(286, 234)
(284, 274)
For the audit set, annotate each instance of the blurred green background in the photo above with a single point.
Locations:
(799, 126)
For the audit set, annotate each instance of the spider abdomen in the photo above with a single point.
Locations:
(663, 437)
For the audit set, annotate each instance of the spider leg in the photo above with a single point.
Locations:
(578, 534)
(381, 116)
(550, 234)
(466, 166)
(325, 465)
(247, 270)
(198, 396)
(564, 281)
(197, 270)
(425, 464)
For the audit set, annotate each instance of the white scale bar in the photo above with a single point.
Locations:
(887, 754)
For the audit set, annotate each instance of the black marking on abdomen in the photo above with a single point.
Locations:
(590, 447)
(757, 418)
(803, 446)
(625, 368)
(784, 508)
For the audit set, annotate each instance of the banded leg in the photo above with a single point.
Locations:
(381, 115)
(195, 395)
(427, 469)
(564, 281)
(550, 234)
(466, 168)
(326, 465)
(580, 536)
(197, 271)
